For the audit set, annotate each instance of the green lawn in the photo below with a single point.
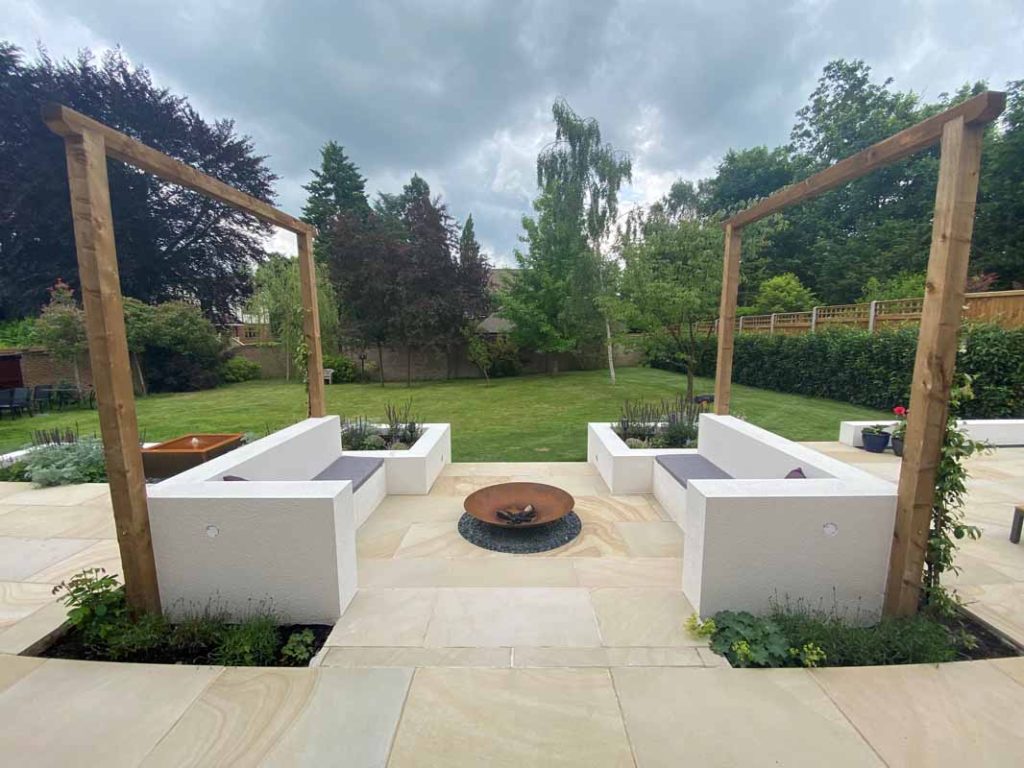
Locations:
(530, 418)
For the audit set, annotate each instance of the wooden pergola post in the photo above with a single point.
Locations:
(111, 371)
(727, 318)
(959, 130)
(935, 361)
(88, 143)
(311, 325)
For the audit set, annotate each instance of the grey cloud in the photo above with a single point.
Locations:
(460, 91)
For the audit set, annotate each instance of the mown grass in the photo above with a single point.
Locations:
(528, 418)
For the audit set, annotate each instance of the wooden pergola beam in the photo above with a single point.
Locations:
(935, 361)
(981, 110)
(959, 131)
(65, 121)
(88, 144)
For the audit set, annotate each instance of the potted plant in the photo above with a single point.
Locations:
(899, 430)
(875, 438)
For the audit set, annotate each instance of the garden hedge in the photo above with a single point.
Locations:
(871, 369)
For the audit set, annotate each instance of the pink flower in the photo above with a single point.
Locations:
(899, 410)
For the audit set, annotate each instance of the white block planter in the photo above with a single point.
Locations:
(821, 541)
(279, 538)
(1005, 433)
(232, 546)
(413, 471)
(624, 470)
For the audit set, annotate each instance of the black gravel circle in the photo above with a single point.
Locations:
(520, 541)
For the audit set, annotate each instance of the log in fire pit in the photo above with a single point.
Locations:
(519, 518)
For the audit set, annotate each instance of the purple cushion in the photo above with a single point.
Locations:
(358, 469)
(795, 473)
(235, 479)
(691, 466)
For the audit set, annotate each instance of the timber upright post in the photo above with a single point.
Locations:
(108, 355)
(311, 325)
(934, 365)
(727, 319)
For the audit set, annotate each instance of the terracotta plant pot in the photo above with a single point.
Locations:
(897, 445)
(875, 442)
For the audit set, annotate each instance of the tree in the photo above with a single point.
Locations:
(905, 285)
(60, 329)
(671, 282)
(478, 351)
(175, 348)
(587, 173)
(783, 293)
(278, 298)
(550, 298)
(337, 186)
(171, 242)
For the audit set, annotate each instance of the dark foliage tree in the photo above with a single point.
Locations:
(337, 187)
(171, 243)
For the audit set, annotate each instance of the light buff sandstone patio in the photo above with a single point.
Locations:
(451, 655)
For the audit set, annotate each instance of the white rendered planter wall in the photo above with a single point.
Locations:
(279, 537)
(822, 541)
(413, 471)
(624, 470)
(1006, 433)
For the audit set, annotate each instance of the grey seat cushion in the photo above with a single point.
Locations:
(691, 466)
(358, 469)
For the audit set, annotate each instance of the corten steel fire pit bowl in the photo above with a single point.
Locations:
(519, 518)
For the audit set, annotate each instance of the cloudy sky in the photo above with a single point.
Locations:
(460, 91)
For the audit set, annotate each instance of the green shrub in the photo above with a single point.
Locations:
(504, 358)
(14, 472)
(344, 369)
(137, 640)
(299, 648)
(236, 369)
(796, 637)
(67, 463)
(96, 604)
(250, 643)
(870, 369)
(17, 333)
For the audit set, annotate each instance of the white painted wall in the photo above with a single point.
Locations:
(822, 543)
(1006, 433)
(413, 472)
(233, 545)
(624, 470)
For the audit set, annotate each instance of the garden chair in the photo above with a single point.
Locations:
(6, 401)
(328, 375)
(21, 401)
(42, 397)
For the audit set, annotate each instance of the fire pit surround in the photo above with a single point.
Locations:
(519, 518)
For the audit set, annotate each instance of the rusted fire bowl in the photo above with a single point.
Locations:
(549, 502)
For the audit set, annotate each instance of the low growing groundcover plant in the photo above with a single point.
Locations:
(799, 637)
(104, 629)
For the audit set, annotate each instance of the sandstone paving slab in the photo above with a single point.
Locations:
(13, 668)
(663, 572)
(999, 605)
(606, 657)
(660, 539)
(21, 599)
(417, 657)
(635, 616)
(34, 631)
(9, 489)
(45, 521)
(958, 714)
(511, 717)
(97, 554)
(290, 717)
(94, 713)
(614, 509)
(61, 495)
(733, 717)
(516, 616)
(388, 617)
(21, 558)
